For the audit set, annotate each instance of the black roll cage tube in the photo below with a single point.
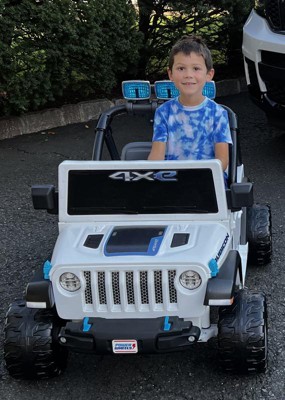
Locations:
(103, 131)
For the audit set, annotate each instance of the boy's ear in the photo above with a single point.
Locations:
(169, 73)
(210, 74)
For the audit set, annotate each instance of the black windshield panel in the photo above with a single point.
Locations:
(95, 192)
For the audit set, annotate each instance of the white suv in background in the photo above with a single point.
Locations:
(264, 57)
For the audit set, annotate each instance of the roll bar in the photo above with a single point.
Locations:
(103, 131)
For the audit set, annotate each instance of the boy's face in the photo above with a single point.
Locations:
(189, 74)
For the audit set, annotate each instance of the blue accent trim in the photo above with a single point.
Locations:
(167, 324)
(154, 245)
(46, 269)
(153, 248)
(213, 265)
(86, 326)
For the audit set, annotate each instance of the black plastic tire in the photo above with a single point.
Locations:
(242, 334)
(30, 350)
(259, 234)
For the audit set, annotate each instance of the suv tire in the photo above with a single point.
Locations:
(242, 333)
(30, 350)
(259, 234)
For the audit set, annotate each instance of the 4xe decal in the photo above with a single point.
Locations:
(132, 176)
(222, 247)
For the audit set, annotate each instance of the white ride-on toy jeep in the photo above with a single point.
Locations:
(146, 250)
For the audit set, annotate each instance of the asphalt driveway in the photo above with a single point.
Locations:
(27, 238)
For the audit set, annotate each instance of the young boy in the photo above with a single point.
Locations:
(191, 126)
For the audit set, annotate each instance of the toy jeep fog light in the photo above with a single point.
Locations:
(69, 281)
(190, 279)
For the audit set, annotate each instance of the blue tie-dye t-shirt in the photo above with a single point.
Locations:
(191, 132)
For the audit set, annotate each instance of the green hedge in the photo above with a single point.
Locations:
(56, 49)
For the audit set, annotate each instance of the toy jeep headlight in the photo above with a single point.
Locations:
(69, 281)
(190, 279)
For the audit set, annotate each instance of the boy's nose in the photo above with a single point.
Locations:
(188, 72)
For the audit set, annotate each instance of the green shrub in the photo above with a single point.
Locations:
(56, 51)
(51, 49)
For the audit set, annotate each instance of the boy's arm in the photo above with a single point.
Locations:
(222, 154)
(157, 151)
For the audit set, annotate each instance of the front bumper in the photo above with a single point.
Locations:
(258, 36)
(264, 56)
(158, 335)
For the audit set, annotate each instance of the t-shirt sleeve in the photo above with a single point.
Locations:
(222, 133)
(160, 131)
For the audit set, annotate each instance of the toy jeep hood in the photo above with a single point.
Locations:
(105, 244)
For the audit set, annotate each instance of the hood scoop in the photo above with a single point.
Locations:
(128, 241)
(180, 239)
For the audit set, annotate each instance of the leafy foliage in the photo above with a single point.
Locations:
(163, 22)
(51, 47)
(52, 50)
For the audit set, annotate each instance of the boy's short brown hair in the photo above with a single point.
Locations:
(191, 44)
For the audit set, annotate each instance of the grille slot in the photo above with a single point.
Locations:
(102, 288)
(88, 291)
(158, 287)
(143, 287)
(130, 287)
(131, 290)
(116, 287)
(172, 290)
(273, 59)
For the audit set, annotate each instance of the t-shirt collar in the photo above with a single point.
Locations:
(193, 108)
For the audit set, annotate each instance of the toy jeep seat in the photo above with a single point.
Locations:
(136, 151)
(140, 150)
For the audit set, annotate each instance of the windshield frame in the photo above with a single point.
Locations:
(146, 169)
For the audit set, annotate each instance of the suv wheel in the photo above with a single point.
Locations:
(30, 350)
(259, 234)
(242, 333)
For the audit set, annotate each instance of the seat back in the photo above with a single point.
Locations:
(136, 151)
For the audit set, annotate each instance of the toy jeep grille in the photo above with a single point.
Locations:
(127, 289)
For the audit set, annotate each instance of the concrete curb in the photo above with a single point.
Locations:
(83, 112)
(52, 118)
